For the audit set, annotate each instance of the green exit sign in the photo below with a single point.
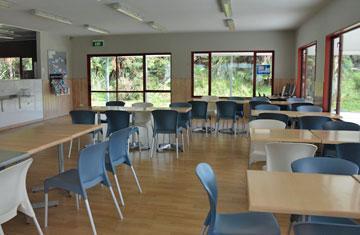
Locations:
(98, 43)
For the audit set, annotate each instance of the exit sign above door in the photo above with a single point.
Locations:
(98, 43)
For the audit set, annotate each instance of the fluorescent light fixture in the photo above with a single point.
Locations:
(226, 7)
(156, 26)
(230, 24)
(95, 29)
(120, 8)
(6, 37)
(50, 16)
(5, 4)
(6, 31)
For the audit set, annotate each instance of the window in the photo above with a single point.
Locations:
(10, 68)
(307, 71)
(130, 78)
(227, 74)
(345, 74)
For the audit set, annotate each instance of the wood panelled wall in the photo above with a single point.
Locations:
(181, 90)
(56, 106)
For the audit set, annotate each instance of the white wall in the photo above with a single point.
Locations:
(336, 15)
(182, 44)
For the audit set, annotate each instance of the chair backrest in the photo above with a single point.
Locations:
(295, 100)
(199, 109)
(294, 106)
(341, 126)
(119, 146)
(226, 109)
(117, 120)
(313, 122)
(165, 121)
(325, 165)
(115, 103)
(325, 229)
(275, 116)
(267, 124)
(260, 98)
(254, 103)
(309, 108)
(142, 105)
(267, 107)
(349, 151)
(279, 156)
(91, 166)
(207, 178)
(82, 117)
(180, 105)
(13, 189)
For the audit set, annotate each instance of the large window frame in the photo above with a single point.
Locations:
(329, 66)
(144, 91)
(255, 54)
(302, 69)
(21, 66)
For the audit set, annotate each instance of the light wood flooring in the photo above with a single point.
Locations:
(173, 201)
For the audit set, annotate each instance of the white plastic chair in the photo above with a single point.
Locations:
(257, 149)
(279, 156)
(13, 196)
(142, 119)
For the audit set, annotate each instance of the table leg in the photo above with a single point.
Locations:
(61, 157)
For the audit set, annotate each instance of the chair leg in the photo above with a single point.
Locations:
(119, 190)
(289, 228)
(203, 230)
(182, 141)
(46, 209)
(87, 205)
(116, 203)
(37, 225)
(79, 144)
(206, 127)
(136, 179)
(138, 139)
(188, 137)
(152, 147)
(177, 147)
(70, 148)
(77, 201)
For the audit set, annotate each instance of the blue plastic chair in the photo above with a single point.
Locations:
(326, 165)
(119, 154)
(260, 98)
(329, 149)
(312, 122)
(254, 103)
(117, 120)
(83, 117)
(309, 108)
(294, 106)
(267, 107)
(349, 151)
(199, 111)
(90, 172)
(166, 122)
(226, 110)
(115, 103)
(275, 116)
(295, 100)
(184, 118)
(246, 223)
(325, 229)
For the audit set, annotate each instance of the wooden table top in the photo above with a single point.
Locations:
(283, 135)
(9, 157)
(35, 138)
(102, 109)
(245, 101)
(296, 114)
(304, 194)
(337, 137)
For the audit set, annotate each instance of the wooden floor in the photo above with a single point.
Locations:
(173, 201)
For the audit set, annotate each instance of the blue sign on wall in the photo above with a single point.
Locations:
(263, 69)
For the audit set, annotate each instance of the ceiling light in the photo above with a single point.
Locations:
(96, 30)
(120, 8)
(50, 16)
(6, 31)
(226, 8)
(6, 37)
(156, 26)
(5, 4)
(230, 24)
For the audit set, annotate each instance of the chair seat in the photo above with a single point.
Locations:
(332, 220)
(68, 180)
(248, 223)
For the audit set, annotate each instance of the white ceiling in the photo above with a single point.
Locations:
(175, 15)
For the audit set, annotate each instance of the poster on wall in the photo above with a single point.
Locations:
(57, 72)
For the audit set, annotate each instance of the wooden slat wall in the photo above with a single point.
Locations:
(80, 92)
(56, 106)
(279, 83)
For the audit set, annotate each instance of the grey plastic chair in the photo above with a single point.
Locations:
(309, 108)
